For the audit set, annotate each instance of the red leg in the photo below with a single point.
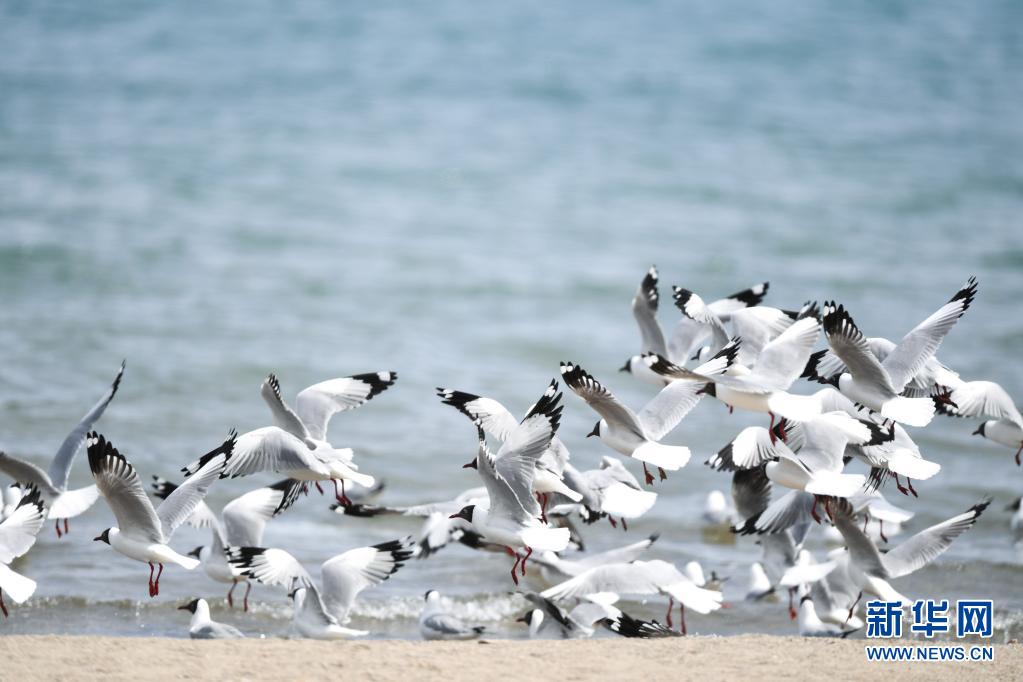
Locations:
(341, 497)
(898, 484)
(151, 567)
(3, 607)
(671, 605)
(248, 588)
(541, 499)
(515, 578)
(682, 613)
(880, 529)
(67, 527)
(813, 510)
(625, 526)
(662, 474)
(1018, 453)
(770, 430)
(157, 584)
(56, 526)
(731, 410)
(611, 520)
(646, 472)
(522, 565)
(792, 611)
(909, 482)
(852, 609)
(230, 598)
(319, 487)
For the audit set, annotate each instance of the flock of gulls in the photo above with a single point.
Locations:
(788, 479)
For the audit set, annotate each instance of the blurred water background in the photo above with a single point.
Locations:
(468, 194)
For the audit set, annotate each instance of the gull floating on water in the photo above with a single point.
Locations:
(436, 623)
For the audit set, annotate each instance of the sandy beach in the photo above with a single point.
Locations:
(113, 658)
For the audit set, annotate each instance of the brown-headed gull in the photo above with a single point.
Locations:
(202, 626)
(437, 623)
(63, 504)
(513, 517)
(142, 532)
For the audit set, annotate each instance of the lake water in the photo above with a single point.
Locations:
(468, 195)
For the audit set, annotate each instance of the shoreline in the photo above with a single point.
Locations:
(32, 657)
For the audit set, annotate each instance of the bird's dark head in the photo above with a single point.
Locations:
(627, 367)
(471, 465)
(980, 430)
(104, 536)
(465, 513)
(190, 606)
(426, 596)
(195, 552)
(595, 431)
(526, 618)
(806, 598)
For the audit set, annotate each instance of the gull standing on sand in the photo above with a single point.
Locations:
(63, 504)
(244, 520)
(512, 519)
(877, 384)
(17, 535)
(637, 435)
(142, 532)
(436, 623)
(203, 627)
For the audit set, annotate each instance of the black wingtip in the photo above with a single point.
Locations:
(753, 295)
(98, 448)
(378, 381)
(966, 293)
(649, 287)
(31, 495)
(549, 405)
(979, 508)
(162, 487)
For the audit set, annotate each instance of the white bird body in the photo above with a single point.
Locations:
(17, 535)
(148, 552)
(201, 626)
(436, 623)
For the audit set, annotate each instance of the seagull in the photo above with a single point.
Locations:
(63, 504)
(810, 624)
(627, 626)
(878, 384)
(550, 619)
(716, 511)
(316, 404)
(979, 399)
(17, 535)
(640, 577)
(497, 421)
(765, 387)
(312, 620)
(512, 519)
(436, 623)
(244, 520)
(555, 568)
(870, 570)
(142, 532)
(609, 490)
(637, 435)
(271, 448)
(687, 333)
(344, 577)
(202, 627)
(702, 319)
(817, 466)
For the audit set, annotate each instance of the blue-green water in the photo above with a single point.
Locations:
(468, 194)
